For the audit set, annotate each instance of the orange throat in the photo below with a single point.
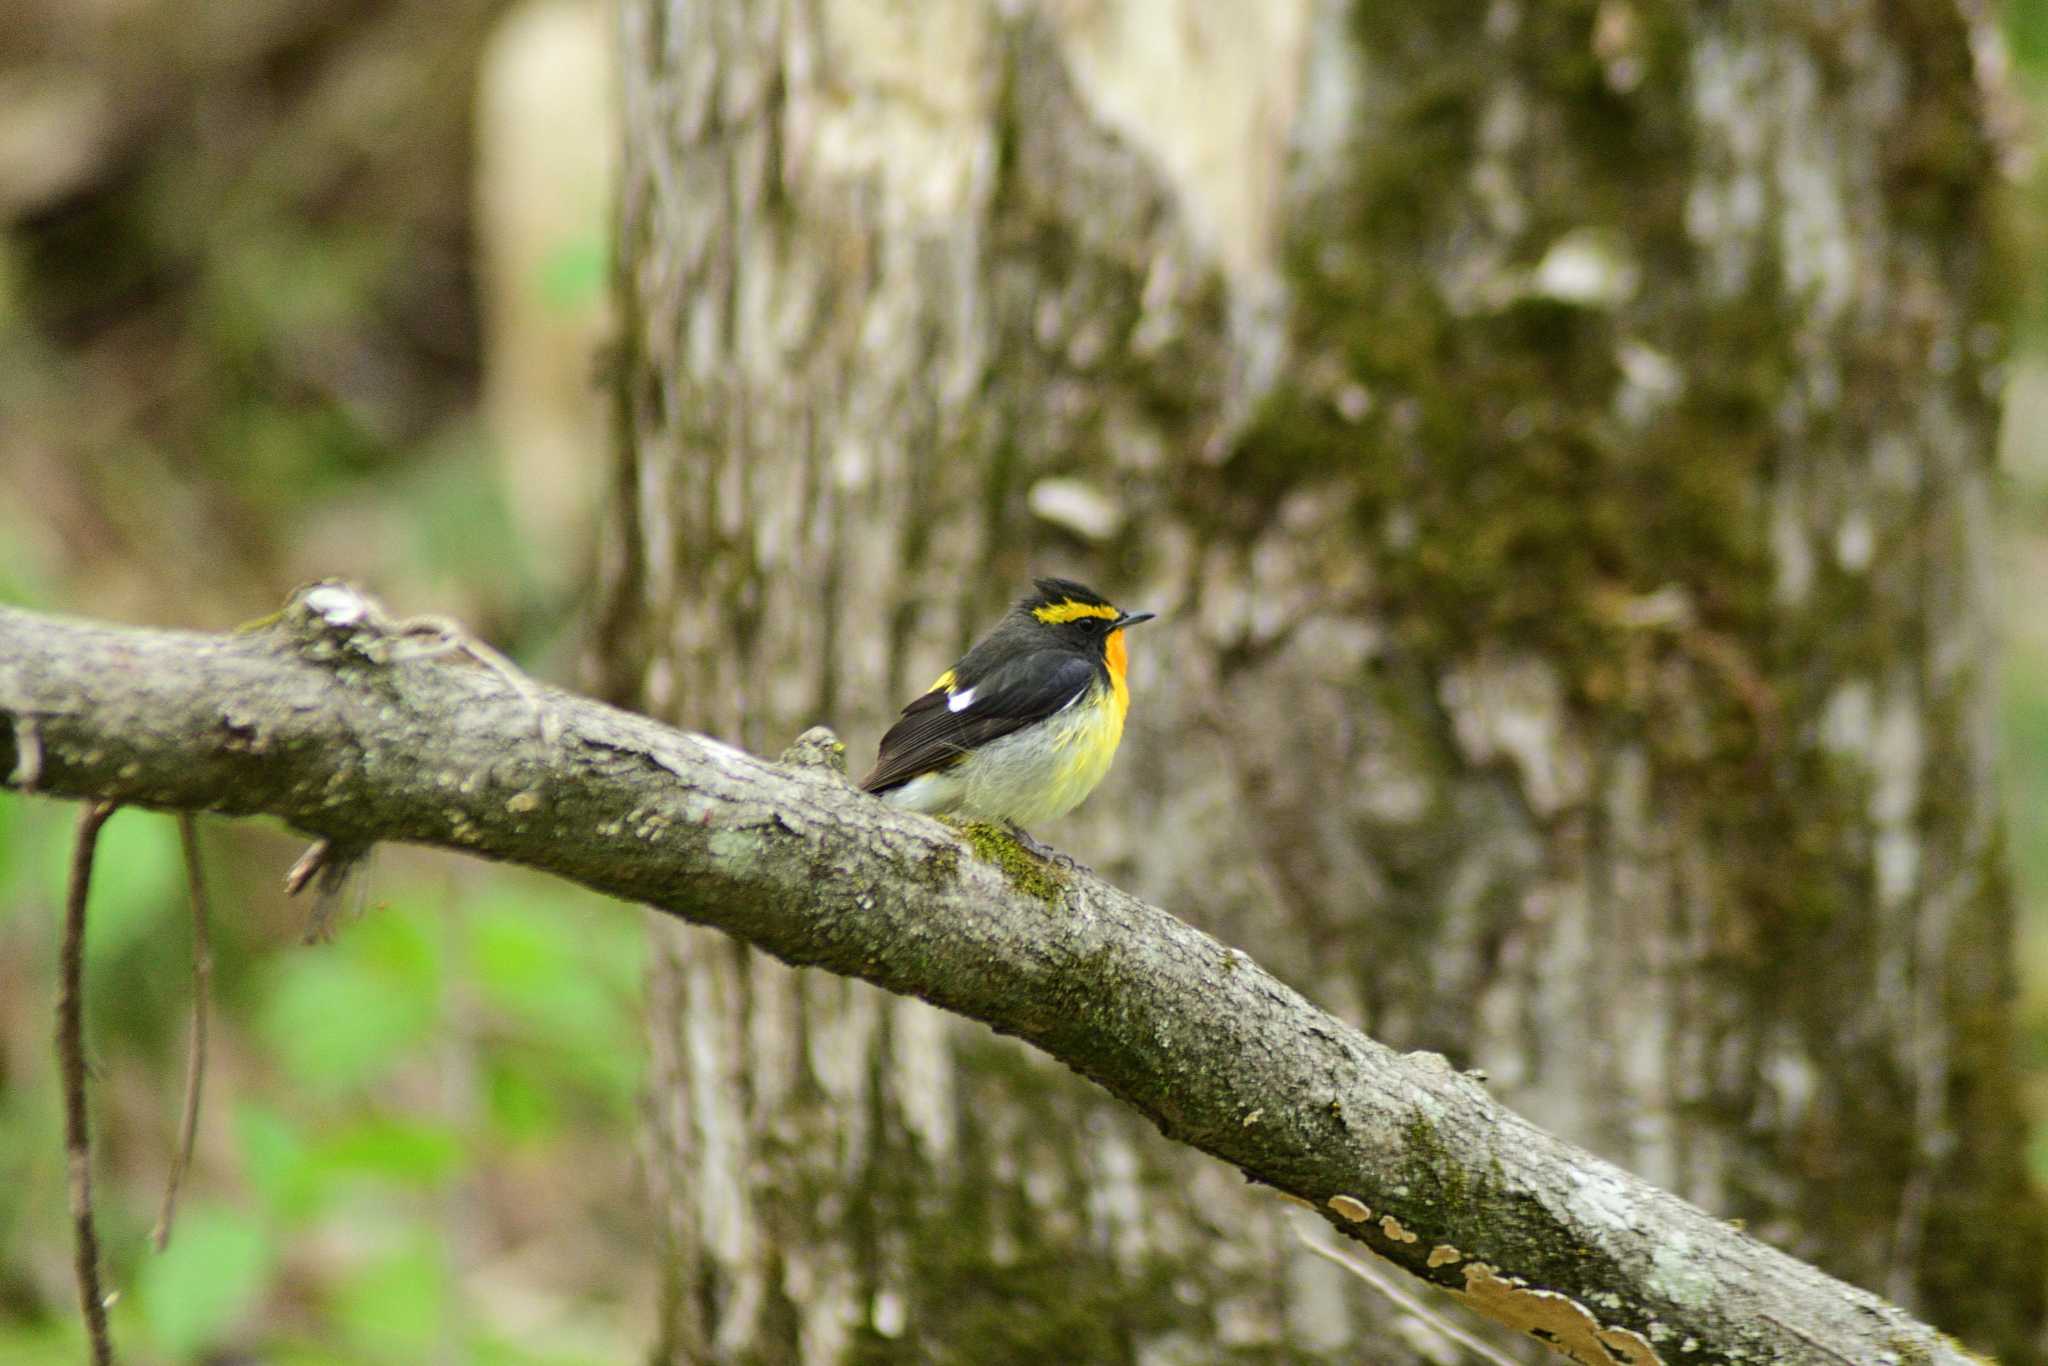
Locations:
(1114, 655)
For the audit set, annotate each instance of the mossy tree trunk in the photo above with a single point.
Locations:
(1556, 437)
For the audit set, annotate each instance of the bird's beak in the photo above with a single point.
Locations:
(1131, 619)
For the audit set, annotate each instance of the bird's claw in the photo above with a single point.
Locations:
(1046, 852)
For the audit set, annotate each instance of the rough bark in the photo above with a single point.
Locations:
(330, 720)
(1558, 437)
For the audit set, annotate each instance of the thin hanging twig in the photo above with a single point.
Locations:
(195, 1054)
(71, 1063)
(1808, 1339)
(331, 868)
(28, 752)
(1386, 1286)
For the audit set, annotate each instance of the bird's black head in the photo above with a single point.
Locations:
(1081, 617)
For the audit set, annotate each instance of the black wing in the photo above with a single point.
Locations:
(930, 734)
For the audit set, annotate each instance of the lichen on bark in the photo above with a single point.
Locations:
(1630, 401)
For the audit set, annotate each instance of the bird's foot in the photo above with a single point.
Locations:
(1044, 851)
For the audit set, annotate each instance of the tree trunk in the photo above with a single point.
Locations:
(1557, 438)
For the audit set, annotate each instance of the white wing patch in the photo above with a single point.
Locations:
(960, 701)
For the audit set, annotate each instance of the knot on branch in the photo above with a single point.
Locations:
(332, 619)
(817, 747)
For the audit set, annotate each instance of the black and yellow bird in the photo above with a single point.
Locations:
(1025, 725)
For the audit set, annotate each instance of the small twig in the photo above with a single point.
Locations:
(1806, 1338)
(28, 753)
(369, 630)
(71, 1063)
(330, 866)
(429, 637)
(195, 1054)
(1371, 1276)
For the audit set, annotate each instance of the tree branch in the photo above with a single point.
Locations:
(328, 718)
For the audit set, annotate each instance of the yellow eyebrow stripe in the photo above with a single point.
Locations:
(1061, 613)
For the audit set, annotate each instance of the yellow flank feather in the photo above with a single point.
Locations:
(1031, 775)
(1062, 612)
(1087, 744)
(944, 680)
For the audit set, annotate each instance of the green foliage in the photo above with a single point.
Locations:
(573, 275)
(397, 1153)
(457, 523)
(227, 364)
(360, 1091)
(210, 1279)
(396, 1306)
(2026, 26)
(336, 1025)
(276, 1162)
(560, 1031)
(136, 879)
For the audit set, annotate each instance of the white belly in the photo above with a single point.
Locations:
(1037, 774)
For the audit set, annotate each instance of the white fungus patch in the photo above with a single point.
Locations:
(336, 604)
(889, 1313)
(1586, 267)
(1855, 541)
(1352, 1208)
(1567, 1325)
(1077, 506)
(1391, 1226)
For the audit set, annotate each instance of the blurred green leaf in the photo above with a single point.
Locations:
(486, 1350)
(573, 275)
(566, 984)
(288, 455)
(136, 879)
(22, 580)
(2026, 24)
(395, 1307)
(271, 281)
(13, 833)
(413, 1153)
(307, 1354)
(460, 525)
(275, 1157)
(531, 964)
(335, 1022)
(213, 1273)
(402, 941)
(41, 1344)
(524, 1109)
(31, 1160)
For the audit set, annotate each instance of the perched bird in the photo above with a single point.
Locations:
(1024, 726)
